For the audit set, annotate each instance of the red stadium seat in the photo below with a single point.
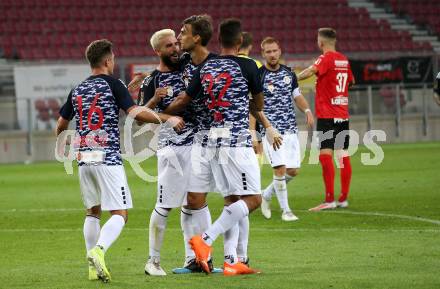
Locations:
(129, 24)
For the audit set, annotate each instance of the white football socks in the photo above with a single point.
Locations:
(193, 222)
(243, 239)
(230, 216)
(158, 223)
(230, 244)
(268, 192)
(188, 229)
(280, 187)
(91, 231)
(110, 231)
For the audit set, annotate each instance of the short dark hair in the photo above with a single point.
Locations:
(269, 40)
(327, 32)
(201, 25)
(97, 51)
(229, 32)
(247, 40)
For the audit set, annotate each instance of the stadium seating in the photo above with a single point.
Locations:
(425, 13)
(53, 29)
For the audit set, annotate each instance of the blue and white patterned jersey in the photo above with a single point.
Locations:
(175, 85)
(197, 107)
(280, 87)
(226, 82)
(95, 104)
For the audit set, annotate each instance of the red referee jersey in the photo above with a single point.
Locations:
(334, 76)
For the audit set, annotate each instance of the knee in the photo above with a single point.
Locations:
(94, 211)
(196, 200)
(122, 213)
(293, 172)
(253, 202)
(231, 199)
(257, 201)
(279, 171)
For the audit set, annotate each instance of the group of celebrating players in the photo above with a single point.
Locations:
(220, 112)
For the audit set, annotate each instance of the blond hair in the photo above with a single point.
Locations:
(159, 35)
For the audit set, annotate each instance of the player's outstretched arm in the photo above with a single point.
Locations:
(303, 105)
(62, 125)
(307, 73)
(256, 105)
(136, 82)
(178, 104)
(143, 114)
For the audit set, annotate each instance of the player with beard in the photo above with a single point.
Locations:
(194, 37)
(224, 82)
(158, 90)
(280, 89)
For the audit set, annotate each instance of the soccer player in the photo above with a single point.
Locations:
(280, 87)
(334, 78)
(246, 48)
(243, 225)
(174, 151)
(437, 89)
(225, 82)
(95, 104)
(194, 36)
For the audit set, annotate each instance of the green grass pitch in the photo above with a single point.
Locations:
(388, 238)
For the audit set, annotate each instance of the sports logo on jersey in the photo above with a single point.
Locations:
(318, 61)
(340, 100)
(170, 91)
(341, 63)
(271, 87)
(287, 79)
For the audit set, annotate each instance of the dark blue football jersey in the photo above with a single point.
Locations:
(197, 107)
(95, 104)
(279, 89)
(225, 83)
(175, 85)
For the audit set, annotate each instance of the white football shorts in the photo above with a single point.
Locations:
(173, 166)
(228, 170)
(106, 186)
(289, 154)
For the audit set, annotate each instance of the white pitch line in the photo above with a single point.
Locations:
(255, 229)
(378, 214)
(374, 214)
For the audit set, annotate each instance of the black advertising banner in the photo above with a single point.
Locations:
(405, 69)
(417, 69)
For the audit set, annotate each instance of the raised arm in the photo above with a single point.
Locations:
(307, 73)
(146, 115)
